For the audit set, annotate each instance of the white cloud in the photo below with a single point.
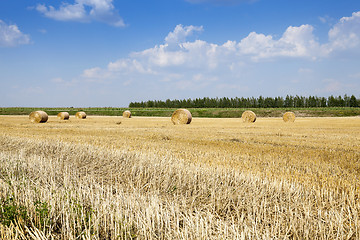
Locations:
(92, 73)
(66, 12)
(128, 66)
(11, 36)
(64, 83)
(295, 42)
(180, 33)
(84, 11)
(345, 34)
(198, 63)
(57, 80)
(160, 56)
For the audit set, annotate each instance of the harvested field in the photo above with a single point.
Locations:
(149, 179)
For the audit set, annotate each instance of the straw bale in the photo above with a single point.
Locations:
(248, 116)
(127, 114)
(38, 117)
(80, 115)
(63, 116)
(181, 116)
(289, 117)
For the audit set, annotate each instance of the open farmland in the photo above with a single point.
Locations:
(145, 178)
(196, 112)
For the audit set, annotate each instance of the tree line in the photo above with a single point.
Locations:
(252, 102)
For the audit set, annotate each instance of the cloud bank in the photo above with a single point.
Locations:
(345, 34)
(296, 62)
(11, 36)
(84, 11)
(177, 54)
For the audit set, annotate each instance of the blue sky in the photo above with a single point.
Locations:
(89, 53)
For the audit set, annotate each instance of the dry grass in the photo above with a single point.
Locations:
(213, 179)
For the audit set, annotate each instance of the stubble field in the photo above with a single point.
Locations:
(145, 178)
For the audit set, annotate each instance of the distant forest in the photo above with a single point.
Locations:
(260, 102)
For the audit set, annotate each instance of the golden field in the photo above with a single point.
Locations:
(145, 178)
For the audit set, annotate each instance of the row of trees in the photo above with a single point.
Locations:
(260, 102)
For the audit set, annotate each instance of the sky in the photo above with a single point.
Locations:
(108, 53)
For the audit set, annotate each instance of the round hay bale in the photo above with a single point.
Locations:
(181, 116)
(127, 114)
(38, 117)
(289, 117)
(63, 116)
(80, 115)
(248, 116)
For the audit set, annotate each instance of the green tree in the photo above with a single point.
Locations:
(353, 102)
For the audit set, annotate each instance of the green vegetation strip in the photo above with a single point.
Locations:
(196, 112)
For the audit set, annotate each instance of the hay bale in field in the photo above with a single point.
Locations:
(289, 117)
(80, 115)
(63, 116)
(127, 114)
(248, 116)
(38, 117)
(181, 116)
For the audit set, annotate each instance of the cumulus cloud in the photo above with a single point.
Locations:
(92, 73)
(345, 34)
(84, 11)
(179, 60)
(180, 33)
(295, 42)
(128, 66)
(11, 36)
